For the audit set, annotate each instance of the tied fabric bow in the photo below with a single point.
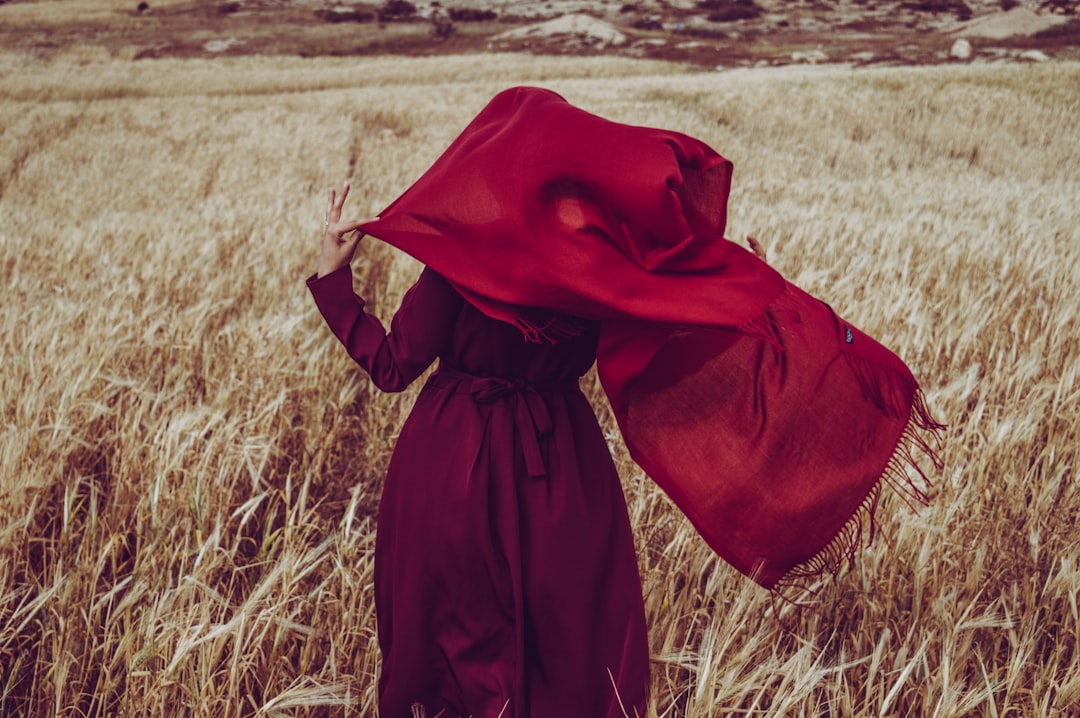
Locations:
(531, 416)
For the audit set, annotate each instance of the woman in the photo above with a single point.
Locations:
(506, 581)
(506, 578)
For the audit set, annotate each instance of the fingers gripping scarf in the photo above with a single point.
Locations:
(769, 421)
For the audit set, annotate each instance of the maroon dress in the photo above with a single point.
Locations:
(506, 582)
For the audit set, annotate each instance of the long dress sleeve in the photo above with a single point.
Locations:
(419, 332)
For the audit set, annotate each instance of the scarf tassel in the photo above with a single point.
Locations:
(550, 329)
(766, 326)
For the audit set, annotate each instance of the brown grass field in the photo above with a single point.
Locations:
(189, 463)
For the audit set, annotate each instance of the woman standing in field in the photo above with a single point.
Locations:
(505, 575)
(506, 578)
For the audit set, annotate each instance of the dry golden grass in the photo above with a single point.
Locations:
(189, 463)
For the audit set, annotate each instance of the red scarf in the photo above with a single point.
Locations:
(769, 421)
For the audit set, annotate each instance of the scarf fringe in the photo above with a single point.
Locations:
(904, 473)
(766, 327)
(551, 329)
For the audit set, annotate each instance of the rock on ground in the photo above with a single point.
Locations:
(961, 50)
(1034, 56)
(1018, 21)
(574, 28)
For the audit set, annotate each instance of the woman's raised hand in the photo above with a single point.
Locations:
(756, 248)
(339, 238)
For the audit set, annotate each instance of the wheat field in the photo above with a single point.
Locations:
(190, 464)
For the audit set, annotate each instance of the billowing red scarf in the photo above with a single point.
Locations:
(770, 421)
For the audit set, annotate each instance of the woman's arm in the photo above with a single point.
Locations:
(421, 327)
(420, 330)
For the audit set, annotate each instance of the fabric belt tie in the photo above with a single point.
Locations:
(531, 416)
